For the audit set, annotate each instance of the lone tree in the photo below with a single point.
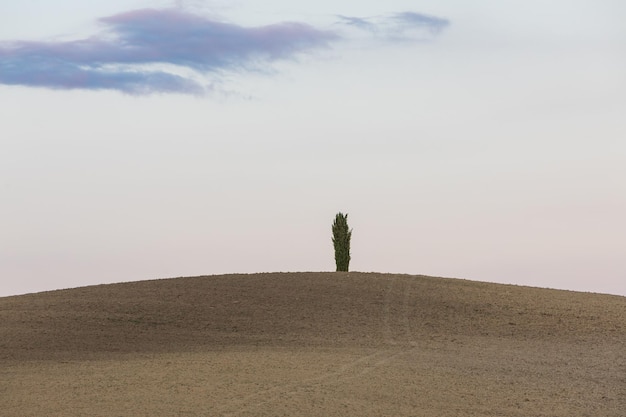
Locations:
(341, 241)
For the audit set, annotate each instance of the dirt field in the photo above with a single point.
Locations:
(312, 344)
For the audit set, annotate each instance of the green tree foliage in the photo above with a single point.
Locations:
(341, 241)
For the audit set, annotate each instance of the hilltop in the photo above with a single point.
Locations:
(312, 344)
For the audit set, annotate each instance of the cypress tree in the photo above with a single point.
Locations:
(341, 241)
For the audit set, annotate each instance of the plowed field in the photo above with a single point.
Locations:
(312, 344)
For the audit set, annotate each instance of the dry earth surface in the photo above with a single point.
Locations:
(312, 344)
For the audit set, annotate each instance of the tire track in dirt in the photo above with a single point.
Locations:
(268, 395)
(355, 369)
(406, 310)
(409, 344)
(403, 305)
(386, 330)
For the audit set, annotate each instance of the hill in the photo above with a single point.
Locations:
(312, 344)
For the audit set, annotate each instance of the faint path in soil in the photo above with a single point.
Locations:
(398, 296)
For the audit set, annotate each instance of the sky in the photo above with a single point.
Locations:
(482, 140)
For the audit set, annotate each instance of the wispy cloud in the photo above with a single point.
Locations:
(129, 55)
(405, 26)
(173, 50)
(408, 21)
(361, 23)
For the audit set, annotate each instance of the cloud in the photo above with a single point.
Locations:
(131, 54)
(175, 51)
(31, 65)
(405, 26)
(358, 22)
(413, 20)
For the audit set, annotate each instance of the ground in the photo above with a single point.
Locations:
(312, 344)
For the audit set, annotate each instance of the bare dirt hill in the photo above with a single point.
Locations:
(321, 344)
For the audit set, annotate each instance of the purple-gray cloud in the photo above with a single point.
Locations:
(405, 26)
(146, 51)
(361, 23)
(45, 70)
(148, 38)
(408, 20)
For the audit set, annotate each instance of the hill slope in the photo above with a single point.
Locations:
(313, 344)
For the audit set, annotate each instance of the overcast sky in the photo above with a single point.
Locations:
(483, 140)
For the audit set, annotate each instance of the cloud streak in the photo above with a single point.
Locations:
(173, 51)
(128, 56)
(405, 26)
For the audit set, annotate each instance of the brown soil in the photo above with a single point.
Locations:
(312, 344)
